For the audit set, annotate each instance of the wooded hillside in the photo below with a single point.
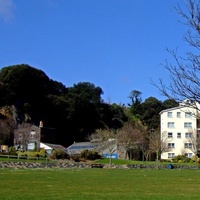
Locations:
(28, 95)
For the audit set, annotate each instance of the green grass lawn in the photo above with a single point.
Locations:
(91, 184)
(123, 162)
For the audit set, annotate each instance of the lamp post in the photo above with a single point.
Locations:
(39, 136)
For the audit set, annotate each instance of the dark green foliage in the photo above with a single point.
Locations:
(6, 132)
(74, 112)
(149, 112)
(83, 100)
(31, 154)
(136, 100)
(169, 103)
(181, 158)
(22, 83)
(75, 158)
(89, 155)
(59, 154)
(12, 150)
(87, 92)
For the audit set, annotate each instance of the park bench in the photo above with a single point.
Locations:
(96, 165)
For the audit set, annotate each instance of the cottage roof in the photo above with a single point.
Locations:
(55, 146)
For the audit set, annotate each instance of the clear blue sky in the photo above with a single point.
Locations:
(117, 45)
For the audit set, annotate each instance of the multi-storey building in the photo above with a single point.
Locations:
(179, 130)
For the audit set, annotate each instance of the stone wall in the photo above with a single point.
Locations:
(25, 165)
(68, 165)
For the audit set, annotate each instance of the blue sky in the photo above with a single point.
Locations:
(117, 45)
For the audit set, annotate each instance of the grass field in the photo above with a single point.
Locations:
(91, 184)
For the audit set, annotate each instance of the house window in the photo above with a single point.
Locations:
(188, 135)
(170, 124)
(188, 125)
(169, 114)
(32, 135)
(170, 135)
(188, 145)
(171, 155)
(178, 135)
(178, 114)
(171, 145)
(188, 114)
(188, 155)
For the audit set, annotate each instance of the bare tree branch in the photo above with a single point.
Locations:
(158, 143)
(184, 73)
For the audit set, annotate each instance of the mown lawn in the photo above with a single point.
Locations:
(48, 184)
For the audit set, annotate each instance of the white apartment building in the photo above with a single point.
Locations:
(179, 128)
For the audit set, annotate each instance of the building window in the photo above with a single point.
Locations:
(188, 125)
(171, 155)
(188, 114)
(170, 124)
(170, 135)
(32, 135)
(188, 145)
(171, 145)
(169, 114)
(178, 114)
(178, 135)
(188, 155)
(188, 135)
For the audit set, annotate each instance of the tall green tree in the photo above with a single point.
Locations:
(6, 131)
(74, 112)
(149, 112)
(135, 97)
(169, 103)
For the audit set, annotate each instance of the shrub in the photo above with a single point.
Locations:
(21, 154)
(165, 160)
(181, 158)
(89, 155)
(59, 154)
(12, 151)
(42, 153)
(194, 158)
(31, 154)
(75, 158)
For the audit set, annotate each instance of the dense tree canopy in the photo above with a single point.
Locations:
(151, 108)
(74, 112)
(22, 83)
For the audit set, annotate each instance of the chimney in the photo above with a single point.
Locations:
(41, 124)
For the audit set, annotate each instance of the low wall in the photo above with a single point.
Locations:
(25, 165)
(68, 165)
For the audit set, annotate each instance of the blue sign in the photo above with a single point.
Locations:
(113, 155)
